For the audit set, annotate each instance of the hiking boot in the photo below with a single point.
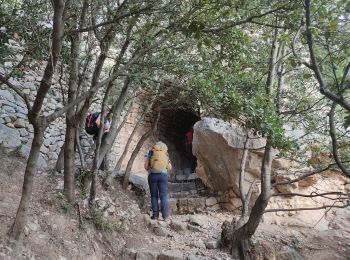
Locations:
(154, 217)
(166, 219)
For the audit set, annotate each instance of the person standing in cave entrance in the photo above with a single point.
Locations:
(158, 165)
(188, 148)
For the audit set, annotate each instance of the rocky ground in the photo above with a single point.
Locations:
(121, 230)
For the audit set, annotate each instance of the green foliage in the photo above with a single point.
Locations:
(66, 207)
(82, 180)
(101, 223)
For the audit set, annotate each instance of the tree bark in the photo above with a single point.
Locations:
(107, 182)
(116, 110)
(238, 237)
(39, 123)
(69, 151)
(71, 120)
(28, 182)
(237, 234)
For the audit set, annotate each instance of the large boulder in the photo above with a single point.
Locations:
(24, 152)
(9, 137)
(218, 146)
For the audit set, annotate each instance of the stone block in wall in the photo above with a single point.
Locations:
(8, 109)
(6, 95)
(20, 115)
(52, 156)
(23, 132)
(47, 141)
(19, 123)
(44, 149)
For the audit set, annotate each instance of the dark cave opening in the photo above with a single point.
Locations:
(172, 128)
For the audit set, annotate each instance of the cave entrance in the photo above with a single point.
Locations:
(173, 126)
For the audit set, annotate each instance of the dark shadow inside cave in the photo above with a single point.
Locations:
(172, 128)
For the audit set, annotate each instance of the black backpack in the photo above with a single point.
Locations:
(90, 123)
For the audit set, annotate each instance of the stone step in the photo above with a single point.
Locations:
(186, 205)
(184, 194)
(186, 177)
(180, 187)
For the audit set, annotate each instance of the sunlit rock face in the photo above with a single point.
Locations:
(218, 146)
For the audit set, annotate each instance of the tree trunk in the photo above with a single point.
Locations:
(28, 181)
(136, 151)
(116, 110)
(69, 158)
(238, 237)
(97, 162)
(60, 160)
(39, 123)
(108, 180)
(71, 123)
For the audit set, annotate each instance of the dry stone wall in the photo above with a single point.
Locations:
(17, 133)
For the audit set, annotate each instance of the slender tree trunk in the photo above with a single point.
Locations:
(238, 237)
(69, 151)
(280, 81)
(109, 178)
(272, 64)
(241, 178)
(143, 138)
(39, 123)
(28, 182)
(69, 169)
(60, 160)
(117, 110)
(96, 163)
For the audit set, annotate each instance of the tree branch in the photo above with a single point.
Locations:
(247, 20)
(312, 195)
(335, 142)
(310, 42)
(116, 19)
(25, 97)
(300, 209)
(57, 39)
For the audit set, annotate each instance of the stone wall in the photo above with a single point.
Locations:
(14, 122)
(13, 114)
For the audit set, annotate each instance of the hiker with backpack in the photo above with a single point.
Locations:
(92, 127)
(158, 165)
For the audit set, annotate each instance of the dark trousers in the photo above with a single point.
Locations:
(191, 158)
(158, 185)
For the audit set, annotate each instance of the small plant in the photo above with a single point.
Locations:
(17, 151)
(55, 173)
(101, 223)
(82, 180)
(66, 207)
